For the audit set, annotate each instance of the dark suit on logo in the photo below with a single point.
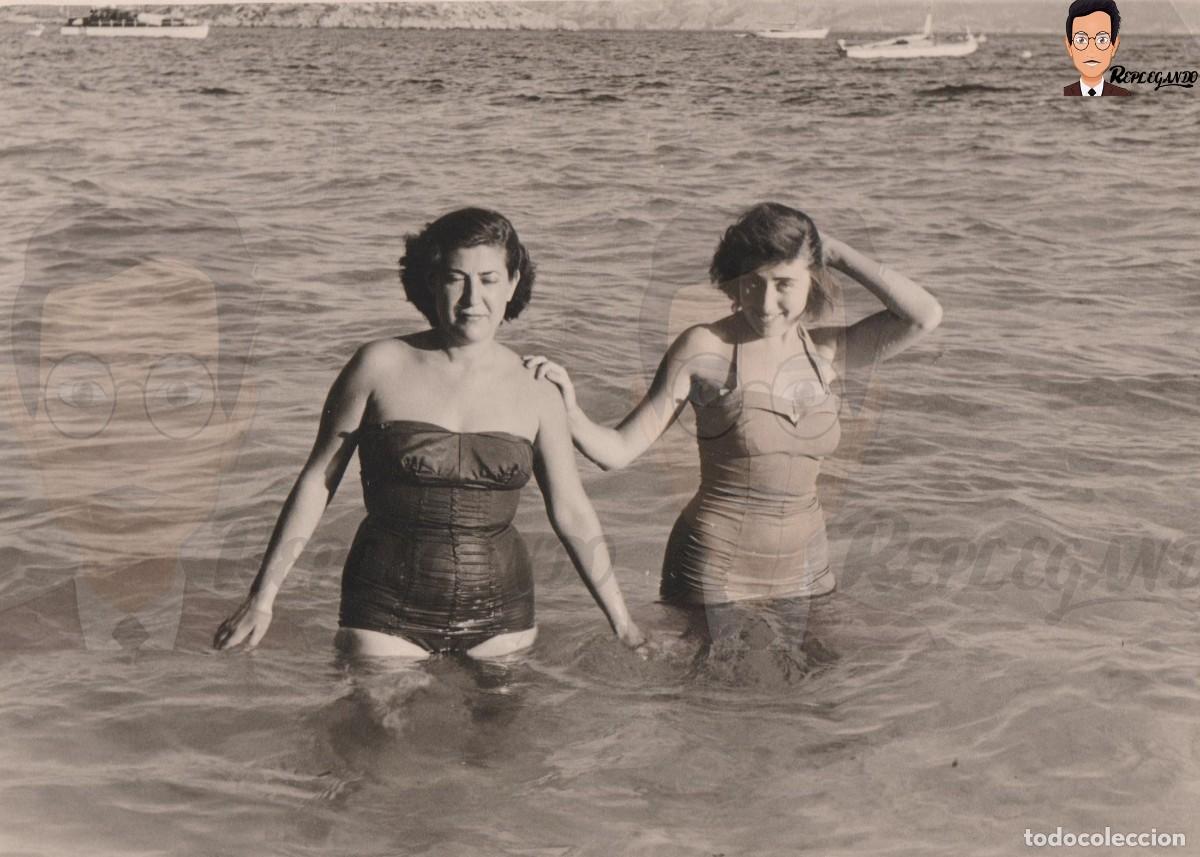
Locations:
(1109, 89)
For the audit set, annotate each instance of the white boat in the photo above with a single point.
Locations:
(795, 31)
(121, 22)
(922, 44)
(815, 33)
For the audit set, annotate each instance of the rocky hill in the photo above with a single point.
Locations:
(429, 16)
(1173, 17)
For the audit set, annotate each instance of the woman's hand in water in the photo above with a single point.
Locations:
(544, 367)
(247, 624)
(631, 635)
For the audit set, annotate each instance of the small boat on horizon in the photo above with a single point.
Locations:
(110, 21)
(811, 33)
(796, 31)
(916, 45)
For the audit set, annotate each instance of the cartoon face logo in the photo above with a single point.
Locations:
(1091, 42)
(126, 420)
(130, 335)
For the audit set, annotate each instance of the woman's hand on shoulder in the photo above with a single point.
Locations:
(543, 367)
(247, 625)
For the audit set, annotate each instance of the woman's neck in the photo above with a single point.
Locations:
(745, 332)
(464, 354)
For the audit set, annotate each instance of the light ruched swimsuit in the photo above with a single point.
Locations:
(755, 527)
(437, 560)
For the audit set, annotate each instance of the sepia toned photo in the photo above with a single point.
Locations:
(688, 428)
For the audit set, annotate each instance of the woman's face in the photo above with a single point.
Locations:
(473, 293)
(773, 298)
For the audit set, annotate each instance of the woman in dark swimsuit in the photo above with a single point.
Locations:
(449, 427)
(766, 411)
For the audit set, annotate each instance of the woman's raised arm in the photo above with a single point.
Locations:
(572, 516)
(911, 311)
(314, 488)
(614, 448)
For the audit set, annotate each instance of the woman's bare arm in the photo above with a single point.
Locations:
(572, 516)
(311, 493)
(614, 448)
(911, 311)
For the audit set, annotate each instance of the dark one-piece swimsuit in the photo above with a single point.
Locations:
(437, 560)
(755, 528)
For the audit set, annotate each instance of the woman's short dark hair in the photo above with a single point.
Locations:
(426, 254)
(767, 234)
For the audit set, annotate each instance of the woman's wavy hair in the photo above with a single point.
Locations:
(426, 252)
(767, 234)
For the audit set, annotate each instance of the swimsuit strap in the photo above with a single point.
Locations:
(809, 348)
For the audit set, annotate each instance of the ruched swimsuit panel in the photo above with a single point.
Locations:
(755, 528)
(437, 559)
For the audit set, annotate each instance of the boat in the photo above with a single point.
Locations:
(795, 31)
(110, 21)
(922, 44)
(814, 33)
(35, 31)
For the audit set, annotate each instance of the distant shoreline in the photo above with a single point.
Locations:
(844, 18)
(830, 39)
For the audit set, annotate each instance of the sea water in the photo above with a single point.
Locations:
(1012, 514)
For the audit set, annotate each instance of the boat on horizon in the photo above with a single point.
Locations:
(110, 21)
(796, 31)
(811, 33)
(913, 46)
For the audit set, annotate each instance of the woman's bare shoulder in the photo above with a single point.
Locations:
(703, 339)
(528, 402)
(514, 377)
(829, 343)
(827, 340)
(390, 352)
(374, 361)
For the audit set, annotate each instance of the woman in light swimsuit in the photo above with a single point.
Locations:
(761, 385)
(449, 427)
